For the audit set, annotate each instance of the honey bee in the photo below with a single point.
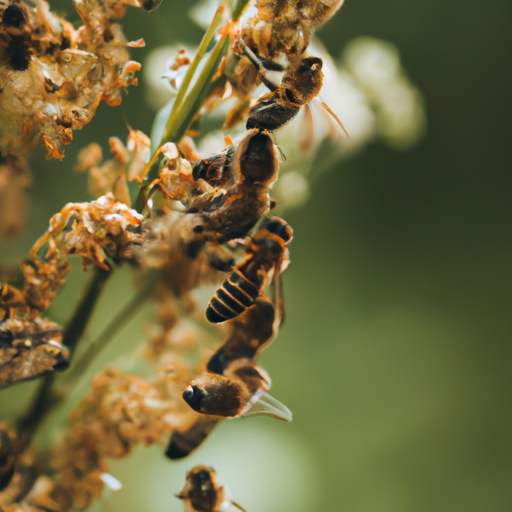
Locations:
(249, 333)
(217, 169)
(265, 252)
(7, 458)
(233, 385)
(300, 84)
(286, 26)
(16, 21)
(232, 214)
(202, 492)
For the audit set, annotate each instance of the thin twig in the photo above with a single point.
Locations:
(119, 321)
(78, 323)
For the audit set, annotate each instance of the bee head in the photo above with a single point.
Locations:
(278, 227)
(203, 491)
(310, 66)
(194, 396)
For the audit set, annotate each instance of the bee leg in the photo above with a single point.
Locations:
(256, 62)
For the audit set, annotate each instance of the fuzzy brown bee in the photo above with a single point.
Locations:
(300, 84)
(265, 252)
(7, 458)
(285, 27)
(233, 384)
(11, 299)
(232, 214)
(202, 492)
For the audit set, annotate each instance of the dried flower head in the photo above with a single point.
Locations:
(96, 230)
(29, 347)
(53, 76)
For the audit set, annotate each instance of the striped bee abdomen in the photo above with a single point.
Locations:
(233, 297)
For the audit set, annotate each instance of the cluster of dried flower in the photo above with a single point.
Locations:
(54, 76)
(112, 175)
(198, 212)
(29, 344)
(97, 231)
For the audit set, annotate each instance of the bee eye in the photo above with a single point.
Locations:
(188, 394)
(279, 227)
(193, 396)
(290, 96)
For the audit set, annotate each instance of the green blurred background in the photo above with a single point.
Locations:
(395, 357)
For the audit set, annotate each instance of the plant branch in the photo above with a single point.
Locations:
(83, 312)
(119, 321)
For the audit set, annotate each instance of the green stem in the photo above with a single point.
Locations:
(186, 108)
(83, 312)
(205, 43)
(119, 321)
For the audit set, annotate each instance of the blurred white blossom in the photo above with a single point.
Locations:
(158, 74)
(376, 69)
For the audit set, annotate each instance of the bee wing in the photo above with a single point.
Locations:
(269, 406)
(279, 303)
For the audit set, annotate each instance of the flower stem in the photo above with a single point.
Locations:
(188, 104)
(119, 321)
(83, 312)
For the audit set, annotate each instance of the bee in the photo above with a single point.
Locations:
(202, 492)
(286, 26)
(11, 299)
(7, 458)
(266, 251)
(233, 385)
(300, 84)
(217, 169)
(232, 214)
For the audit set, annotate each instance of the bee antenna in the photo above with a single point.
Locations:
(283, 156)
(335, 117)
(235, 504)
